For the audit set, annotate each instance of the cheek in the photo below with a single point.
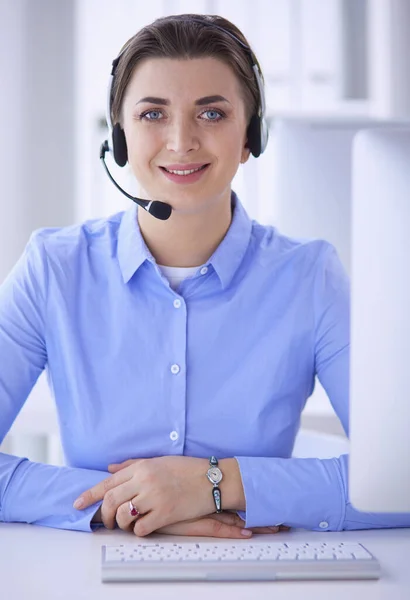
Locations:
(140, 142)
(233, 150)
(141, 150)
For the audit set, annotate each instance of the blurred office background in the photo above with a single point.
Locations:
(330, 66)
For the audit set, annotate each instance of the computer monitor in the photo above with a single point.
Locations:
(379, 464)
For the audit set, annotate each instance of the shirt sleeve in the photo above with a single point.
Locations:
(32, 492)
(312, 493)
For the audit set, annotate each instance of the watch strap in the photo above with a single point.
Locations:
(216, 492)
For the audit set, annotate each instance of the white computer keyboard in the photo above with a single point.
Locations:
(237, 561)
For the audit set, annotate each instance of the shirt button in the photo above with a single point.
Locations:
(177, 303)
(204, 270)
(175, 369)
(323, 525)
(174, 435)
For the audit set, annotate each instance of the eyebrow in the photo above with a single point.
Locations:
(199, 102)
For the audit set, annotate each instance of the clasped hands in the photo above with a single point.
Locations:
(172, 495)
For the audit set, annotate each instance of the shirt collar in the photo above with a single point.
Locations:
(230, 252)
(133, 251)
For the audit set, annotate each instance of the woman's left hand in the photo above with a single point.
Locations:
(165, 490)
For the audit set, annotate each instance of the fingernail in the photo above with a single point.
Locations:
(275, 529)
(79, 503)
(246, 532)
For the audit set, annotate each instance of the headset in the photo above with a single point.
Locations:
(257, 131)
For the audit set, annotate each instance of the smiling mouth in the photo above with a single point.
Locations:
(184, 172)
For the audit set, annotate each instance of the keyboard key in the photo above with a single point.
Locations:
(287, 555)
(306, 555)
(325, 555)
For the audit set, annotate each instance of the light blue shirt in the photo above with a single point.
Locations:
(223, 365)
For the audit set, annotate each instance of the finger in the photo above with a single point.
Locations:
(114, 467)
(123, 517)
(126, 521)
(265, 529)
(235, 519)
(270, 529)
(232, 518)
(147, 523)
(206, 527)
(115, 506)
(96, 493)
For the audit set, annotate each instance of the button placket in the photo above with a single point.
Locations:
(177, 396)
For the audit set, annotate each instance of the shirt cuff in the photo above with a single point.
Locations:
(302, 493)
(43, 494)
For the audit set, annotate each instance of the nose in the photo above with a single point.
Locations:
(182, 135)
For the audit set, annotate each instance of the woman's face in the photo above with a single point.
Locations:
(171, 121)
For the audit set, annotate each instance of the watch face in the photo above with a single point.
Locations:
(214, 474)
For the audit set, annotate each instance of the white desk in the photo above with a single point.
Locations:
(52, 564)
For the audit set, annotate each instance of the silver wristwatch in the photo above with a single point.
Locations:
(214, 475)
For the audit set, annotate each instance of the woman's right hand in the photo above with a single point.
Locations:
(223, 525)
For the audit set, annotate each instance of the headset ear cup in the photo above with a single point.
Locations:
(264, 134)
(254, 136)
(119, 145)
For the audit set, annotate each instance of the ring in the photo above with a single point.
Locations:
(134, 512)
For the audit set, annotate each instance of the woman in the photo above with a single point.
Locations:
(182, 350)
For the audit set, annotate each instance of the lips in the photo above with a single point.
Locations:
(183, 167)
(189, 178)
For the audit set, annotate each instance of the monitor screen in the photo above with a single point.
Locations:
(379, 463)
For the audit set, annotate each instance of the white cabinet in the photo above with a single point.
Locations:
(273, 42)
(321, 51)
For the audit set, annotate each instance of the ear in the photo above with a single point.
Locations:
(245, 154)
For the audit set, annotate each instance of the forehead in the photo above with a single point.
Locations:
(184, 78)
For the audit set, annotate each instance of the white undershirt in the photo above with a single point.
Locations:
(177, 274)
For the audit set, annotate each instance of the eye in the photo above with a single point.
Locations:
(150, 118)
(215, 115)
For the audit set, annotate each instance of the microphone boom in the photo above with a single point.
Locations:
(159, 210)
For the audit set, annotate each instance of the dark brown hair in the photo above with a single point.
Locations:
(180, 37)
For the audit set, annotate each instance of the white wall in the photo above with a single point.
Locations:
(37, 108)
(37, 152)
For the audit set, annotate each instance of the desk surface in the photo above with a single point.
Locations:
(53, 564)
